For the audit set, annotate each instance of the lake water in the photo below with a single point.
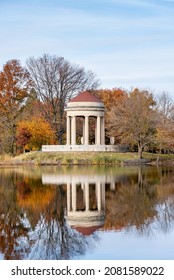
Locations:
(87, 213)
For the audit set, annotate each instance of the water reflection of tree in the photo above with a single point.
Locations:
(13, 230)
(165, 215)
(33, 218)
(32, 221)
(135, 204)
(165, 206)
(55, 239)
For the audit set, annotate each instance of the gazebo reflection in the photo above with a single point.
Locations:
(86, 206)
(85, 200)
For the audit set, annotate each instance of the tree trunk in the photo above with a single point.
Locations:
(140, 177)
(140, 151)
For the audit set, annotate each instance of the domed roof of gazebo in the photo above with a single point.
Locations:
(87, 230)
(85, 100)
(85, 96)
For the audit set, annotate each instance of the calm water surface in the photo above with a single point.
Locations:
(87, 213)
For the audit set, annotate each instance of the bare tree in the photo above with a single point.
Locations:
(56, 80)
(133, 120)
(164, 106)
(165, 127)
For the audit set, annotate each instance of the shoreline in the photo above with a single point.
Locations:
(86, 158)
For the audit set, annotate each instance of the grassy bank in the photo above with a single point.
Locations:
(86, 158)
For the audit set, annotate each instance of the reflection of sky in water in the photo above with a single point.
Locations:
(121, 245)
(154, 242)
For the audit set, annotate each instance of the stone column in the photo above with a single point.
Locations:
(83, 186)
(102, 131)
(112, 186)
(103, 196)
(83, 131)
(98, 130)
(86, 130)
(87, 196)
(68, 129)
(68, 197)
(74, 198)
(73, 131)
(99, 197)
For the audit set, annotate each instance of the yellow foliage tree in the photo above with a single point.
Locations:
(31, 135)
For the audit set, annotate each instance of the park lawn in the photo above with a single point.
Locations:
(84, 158)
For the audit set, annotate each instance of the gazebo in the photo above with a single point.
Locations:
(85, 105)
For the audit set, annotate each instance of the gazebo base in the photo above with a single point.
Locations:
(84, 148)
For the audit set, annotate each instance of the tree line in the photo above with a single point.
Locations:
(33, 99)
(139, 119)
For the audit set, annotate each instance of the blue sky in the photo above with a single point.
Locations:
(126, 43)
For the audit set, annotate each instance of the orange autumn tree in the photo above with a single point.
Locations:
(34, 133)
(15, 85)
(111, 98)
